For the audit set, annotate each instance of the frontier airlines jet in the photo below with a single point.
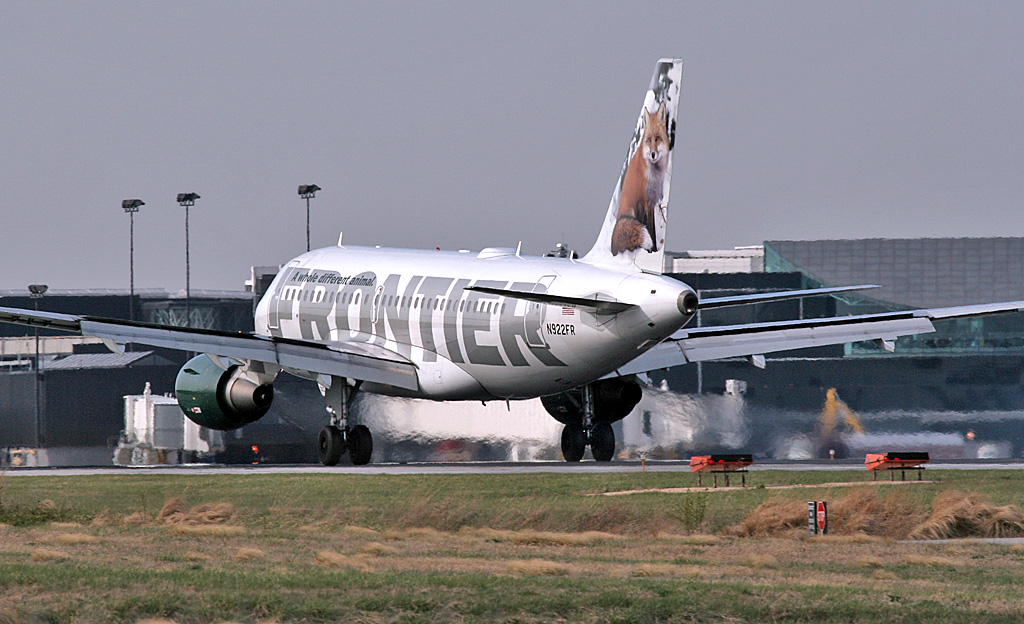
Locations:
(492, 325)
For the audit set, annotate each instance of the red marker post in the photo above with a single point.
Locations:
(817, 518)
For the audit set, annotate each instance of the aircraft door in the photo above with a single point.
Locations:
(280, 302)
(534, 317)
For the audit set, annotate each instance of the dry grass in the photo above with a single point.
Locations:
(73, 539)
(401, 534)
(856, 538)
(135, 519)
(585, 538)
(758, 562)
(656, 569)
(772, 517)
(9, 614)
(861, 512)
(537, 567)
(870, 512)
(333, 559)
(358, 531)
(377, 549)
(956, 515)
(693, 540)
(249, 554)
(175, 511)
(869, 561)
(47, 554)
(924, 560)
(208, 530)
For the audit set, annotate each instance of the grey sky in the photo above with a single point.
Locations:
(469, 125)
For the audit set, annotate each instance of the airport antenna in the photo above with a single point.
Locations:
(307, 192)
(131, 206)
(186, 200)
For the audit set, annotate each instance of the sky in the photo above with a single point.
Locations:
(466, 125)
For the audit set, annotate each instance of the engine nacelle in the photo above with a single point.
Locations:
(614, 399)
(220, 399)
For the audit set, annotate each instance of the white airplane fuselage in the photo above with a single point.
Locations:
(470, 345)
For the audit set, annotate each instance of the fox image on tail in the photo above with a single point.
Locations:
(632, 236)
(643, 187)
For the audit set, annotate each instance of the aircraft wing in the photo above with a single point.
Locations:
(734, 300)
(701, 344)
(346, 359)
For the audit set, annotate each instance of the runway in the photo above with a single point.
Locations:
(469, 468)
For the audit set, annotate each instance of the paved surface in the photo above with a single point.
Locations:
(485, 468)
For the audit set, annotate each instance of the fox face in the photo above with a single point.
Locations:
(655, 141)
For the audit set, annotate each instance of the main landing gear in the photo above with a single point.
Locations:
(337, 437)
(598, 435)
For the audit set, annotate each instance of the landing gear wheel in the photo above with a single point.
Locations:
(602, 442)
(330, 445)
(360, 445)
(574, 442)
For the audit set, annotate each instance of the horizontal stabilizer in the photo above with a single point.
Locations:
(598, 305)
(721, 302)
(701, 344)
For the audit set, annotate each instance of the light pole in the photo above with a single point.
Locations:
(36, 292)
(186, 200)
(307, 192)
(131, 206)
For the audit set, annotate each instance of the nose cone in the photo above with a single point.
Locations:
(687, 303)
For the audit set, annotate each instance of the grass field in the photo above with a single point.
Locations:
(505, 548)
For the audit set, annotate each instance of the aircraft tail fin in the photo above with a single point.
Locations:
(633, 233)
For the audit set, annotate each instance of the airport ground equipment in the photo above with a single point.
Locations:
(893, 461)
(726, 464)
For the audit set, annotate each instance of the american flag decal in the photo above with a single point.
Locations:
(567, 311)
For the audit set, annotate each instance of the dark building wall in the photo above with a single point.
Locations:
(17, 409)
(86, 407)
(79, 407)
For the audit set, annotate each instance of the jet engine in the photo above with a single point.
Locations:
(220, 399)
(614, 399)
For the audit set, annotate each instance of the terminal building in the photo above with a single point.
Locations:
(957, 392)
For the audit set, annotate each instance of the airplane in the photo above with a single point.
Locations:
(493, 325)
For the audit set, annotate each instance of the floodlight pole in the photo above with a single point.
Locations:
(307, 192)
(36, 292)
(187, 200)
(131, 206)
